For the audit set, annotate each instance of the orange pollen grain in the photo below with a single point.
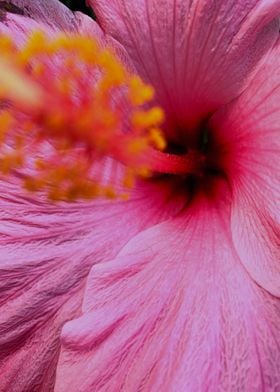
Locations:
(66, 103)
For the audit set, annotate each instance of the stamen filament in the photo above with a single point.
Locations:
(165, 163)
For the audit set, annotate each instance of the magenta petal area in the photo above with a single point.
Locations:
(250, 127)
(175, 311)
(46, 253)
(198, 53)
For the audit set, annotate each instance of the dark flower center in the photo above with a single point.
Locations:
(209, 157)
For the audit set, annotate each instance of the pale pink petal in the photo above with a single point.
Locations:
(250, 128)
(196, 53)
(18, 18)
(175, 311)
(51, 12)
(18, 27)
(46, 252)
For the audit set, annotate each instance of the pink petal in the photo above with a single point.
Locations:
(50, 16)
(51, 13)
(250, 126)
(46, 252)
(25, 16)
(174, 311)
(196, 53)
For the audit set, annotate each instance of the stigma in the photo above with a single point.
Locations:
(66, 102)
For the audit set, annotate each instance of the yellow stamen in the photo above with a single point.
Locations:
(157, 139)
(72, 102)
(148, 118)
(35, 45)
(140, 93)
(6, 122)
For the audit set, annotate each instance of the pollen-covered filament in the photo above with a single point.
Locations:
(66, 103)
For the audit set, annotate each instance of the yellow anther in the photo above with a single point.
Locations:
(61, 41)
(10, 161)
(145, 119)
(87, 49)
(106, 59)
(7, 46)
(113, 69)
(157, 139)
(140, 93)
(6, 121)
(35, 45)
(84, 48)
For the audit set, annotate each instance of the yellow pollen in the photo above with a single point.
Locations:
(148, 118)
(36, 45)
(157, 139)
(6, 121)
(7, 45)
(72, 103)
(139, 91)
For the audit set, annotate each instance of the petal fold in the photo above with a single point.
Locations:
(174, 311)
(250, 128)
(46, 253)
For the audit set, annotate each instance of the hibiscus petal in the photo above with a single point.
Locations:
(174, 311)
(196, 53)
(46, 254)
(18, 18)
(250, 128)
(51, 13)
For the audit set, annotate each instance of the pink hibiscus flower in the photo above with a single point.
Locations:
(176, 288)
